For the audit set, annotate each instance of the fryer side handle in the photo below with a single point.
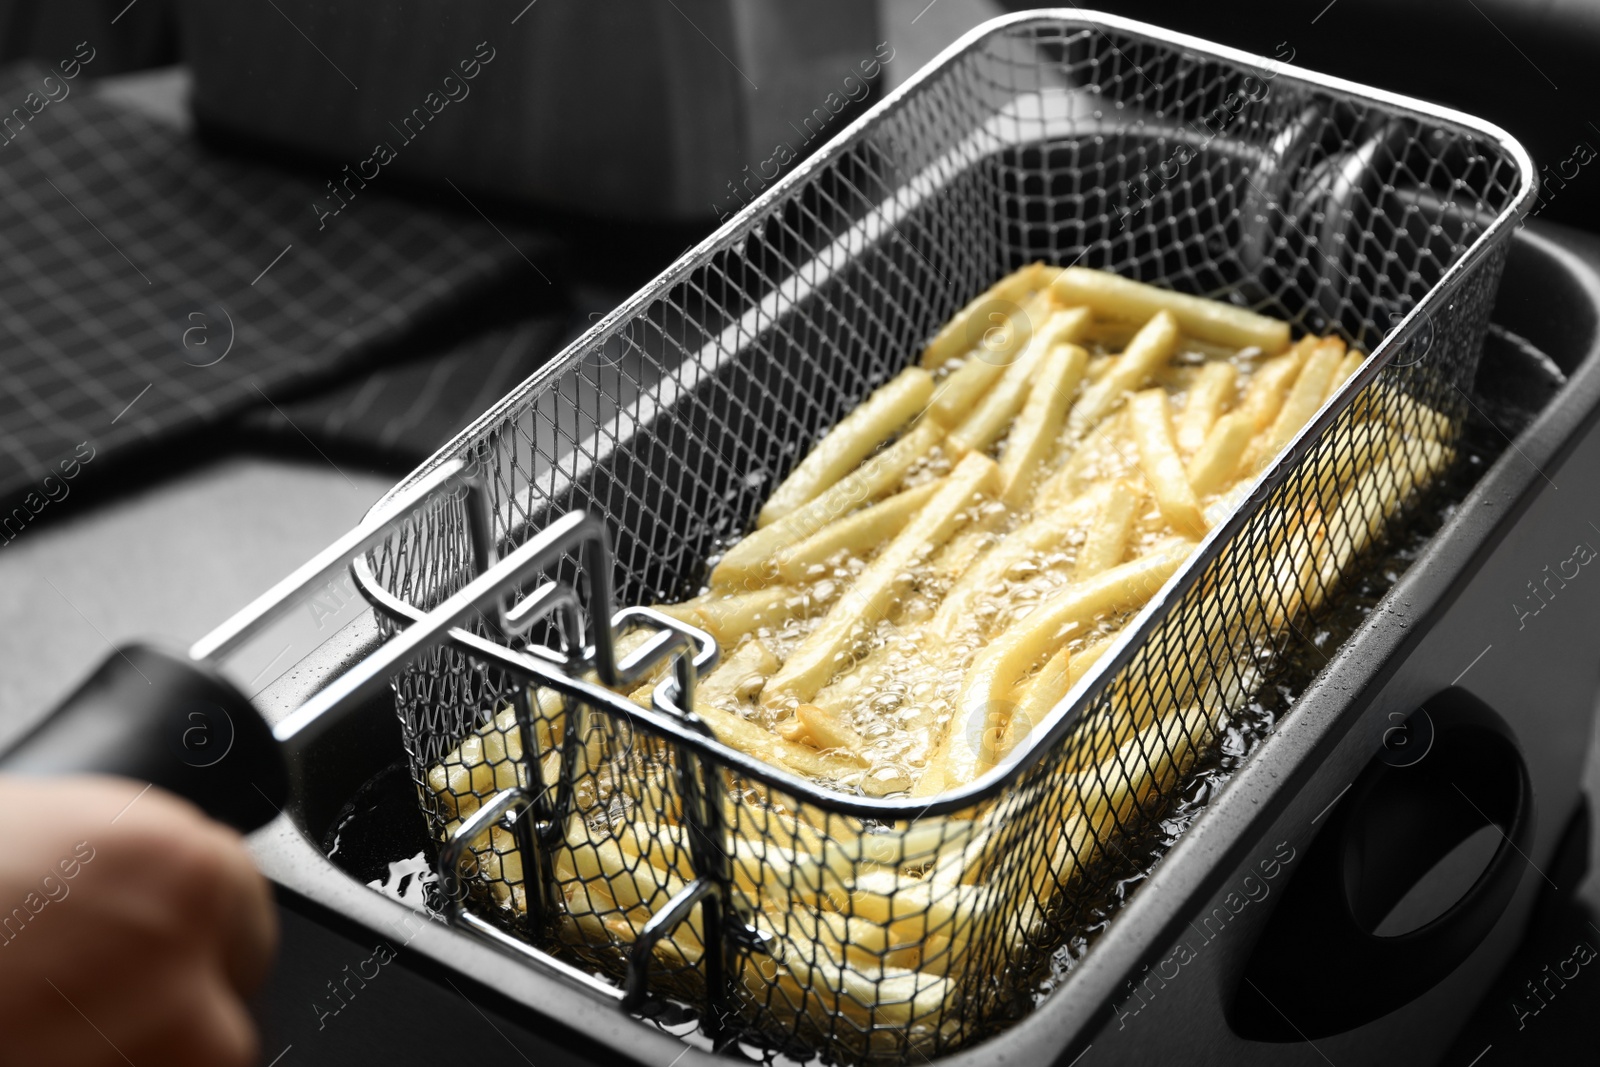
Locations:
(1322, 967)
(169, 721)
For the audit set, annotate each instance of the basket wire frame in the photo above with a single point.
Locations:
(1063, 139)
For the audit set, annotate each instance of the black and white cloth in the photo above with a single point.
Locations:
(152, 286)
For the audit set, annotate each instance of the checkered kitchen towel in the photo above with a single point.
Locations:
(150, 285)
(401, 414)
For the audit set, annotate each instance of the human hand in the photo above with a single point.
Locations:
(131, 928)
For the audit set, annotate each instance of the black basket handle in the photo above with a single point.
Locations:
(170, 721)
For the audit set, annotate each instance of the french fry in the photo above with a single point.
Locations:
(1305, 397)
(1147, 353)
(857, 533)
(728, 618)
(1217, 462)
(957, 395)
(752, 560)
(1107, 540)
(843, 448)
(966, 329)
(1150, 418)
(968, 545)
(828, 647)
(1033, 436)
(1408, 415)
(758, 741)
(988, 693)
(1047, 531)
(1208, 320)
(1263, 397)
(739, 676)
(982, 425)
(823, 730)
(1046, 689)
(1041, 693)
(1207, 397)
(1347, 367)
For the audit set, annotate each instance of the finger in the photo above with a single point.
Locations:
(201, 1023)
(250, 929)
(241, 914)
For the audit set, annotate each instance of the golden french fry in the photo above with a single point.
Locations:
(755, 739)
(1348, 366)
(1373, 496)
(738, 677)
(967, 546)
(988, 692)
(753, 560)
(843, 448)
(1208, 320)
(1147, 353)
(1047, 531)
(1207, 397)
(1263, 396)
(1408, 415)
(967, 328)
(857, 534)
(1151, 420)
(1033, 436)
(1088, 656)
(824, 730)
(981, 425)
(958, 394)
(1048, 688)
(1305, 397)
(829, 647)
(728, 618)
(1005, 660)
(1107, 540)
(1217, 462)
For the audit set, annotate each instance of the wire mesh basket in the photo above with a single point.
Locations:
(813, 921)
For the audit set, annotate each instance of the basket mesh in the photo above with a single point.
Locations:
(1045, 139)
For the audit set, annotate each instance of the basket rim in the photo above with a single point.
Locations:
(739, 226)
(742, 222)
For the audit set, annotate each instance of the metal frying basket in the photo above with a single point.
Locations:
(789, 907)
